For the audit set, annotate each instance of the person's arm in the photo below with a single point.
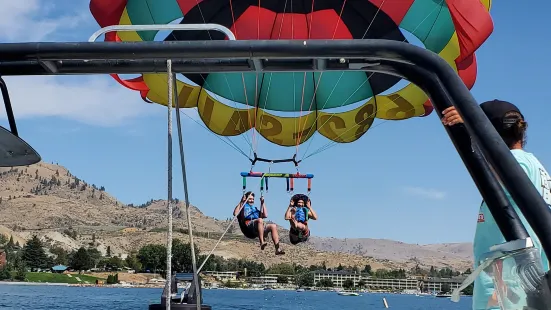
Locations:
(312, 214)
(288, 215)
(263, 209)
(239, 206)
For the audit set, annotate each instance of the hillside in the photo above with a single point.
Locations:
(47, 200)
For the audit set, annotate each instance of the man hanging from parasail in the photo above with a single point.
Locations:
(251, 221)
(298, 213)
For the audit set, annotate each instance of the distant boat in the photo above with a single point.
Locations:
(300, 290)
(443, 295)
(348, 294)
(267, 288)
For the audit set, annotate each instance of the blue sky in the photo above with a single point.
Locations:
(402, 180)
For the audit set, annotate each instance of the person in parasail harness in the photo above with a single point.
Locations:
(251, 221)
(298, 213)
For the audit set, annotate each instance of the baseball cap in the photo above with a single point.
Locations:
(501, 113)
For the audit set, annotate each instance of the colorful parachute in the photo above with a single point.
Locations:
(452, 28)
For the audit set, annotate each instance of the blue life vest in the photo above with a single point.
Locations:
(250, 212)
(301, 214)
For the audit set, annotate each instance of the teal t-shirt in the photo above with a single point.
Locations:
(488, 234)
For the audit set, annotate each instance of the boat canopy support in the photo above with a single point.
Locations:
(477, 142)
(14, 151)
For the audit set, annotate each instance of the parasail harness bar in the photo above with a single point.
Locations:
(275, 161)
(477, 142)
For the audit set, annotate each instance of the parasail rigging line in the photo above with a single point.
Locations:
(253, 133)
(332, 143)
(271, 73)
(301, 130)
(249, 142)
(230, 143)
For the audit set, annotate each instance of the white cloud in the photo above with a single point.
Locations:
(97, 100)
(94, 100)
(28, 20)
(428, 193)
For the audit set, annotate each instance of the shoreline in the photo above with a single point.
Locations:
(128, 286)
(32, 283)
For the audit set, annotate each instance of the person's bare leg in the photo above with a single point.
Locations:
(300, 226)
(293, 223)
(261, 233)
(275, 238)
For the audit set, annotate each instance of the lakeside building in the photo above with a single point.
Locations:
(222, 275)
(267, 280)
(412, 283)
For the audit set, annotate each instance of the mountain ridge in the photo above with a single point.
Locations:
(47, 200)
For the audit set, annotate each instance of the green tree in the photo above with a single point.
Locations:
(325, 283)
(108, 251)
(445, 288)
(34, 255)
(5, 273)
(367, 269)
(445, 273)
(282, 279)
(111, 279)
(433, 272)
(81, 260)
(61, 257)
(212, 263)
(181, 256)
(20, 268)
(153, 257)
(381, 273)
(348, 284)
(95, 256)
(3, 241)
(362, 283)
(282, 268)
(305, 280)
(133, 262)
(10, 244)
(115, 263)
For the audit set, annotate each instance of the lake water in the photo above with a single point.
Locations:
(62, 297)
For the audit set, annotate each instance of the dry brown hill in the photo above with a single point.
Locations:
(47, 200)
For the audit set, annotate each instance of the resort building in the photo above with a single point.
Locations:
(413, 283)
(337, 277)
(264, 280)
(222, 275)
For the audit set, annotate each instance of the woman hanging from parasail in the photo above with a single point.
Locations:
(298, 213)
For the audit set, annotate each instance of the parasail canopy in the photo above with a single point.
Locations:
(287, 108)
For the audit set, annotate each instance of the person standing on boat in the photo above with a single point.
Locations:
(298, 213)
(254, 221)
(511, 126)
